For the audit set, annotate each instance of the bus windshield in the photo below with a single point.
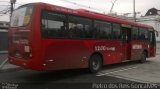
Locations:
(21, 16)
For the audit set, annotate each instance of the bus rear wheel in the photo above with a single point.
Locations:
(143, 57)
(95, 63)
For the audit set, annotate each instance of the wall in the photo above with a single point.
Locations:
(3, 40)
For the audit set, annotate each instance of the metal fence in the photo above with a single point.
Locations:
(3, 56)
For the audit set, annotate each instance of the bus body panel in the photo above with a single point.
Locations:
(135, 52)
(65, 54)
(69, 54)
(113, 52)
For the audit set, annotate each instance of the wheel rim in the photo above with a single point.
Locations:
(95, 64)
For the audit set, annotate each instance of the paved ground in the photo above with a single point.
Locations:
(148, 72)
(65, 76)
(69, 79)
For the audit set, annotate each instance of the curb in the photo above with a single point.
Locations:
(11, 69)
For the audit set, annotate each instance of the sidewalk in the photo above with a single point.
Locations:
(9, 67)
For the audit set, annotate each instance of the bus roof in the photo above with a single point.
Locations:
(90, 14)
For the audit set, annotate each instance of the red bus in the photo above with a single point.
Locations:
(49, 37)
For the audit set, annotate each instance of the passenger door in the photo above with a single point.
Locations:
(126, 38)
(152, 43)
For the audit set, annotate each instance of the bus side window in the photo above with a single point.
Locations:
(102, 30)
(53, 25)
(116, 31)
(143, 34)
(152, 38)
(79, 27)
(134, 33)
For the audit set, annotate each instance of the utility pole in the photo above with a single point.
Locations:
(134, 11)
(12, 4)
(12, 7)
(112, 5)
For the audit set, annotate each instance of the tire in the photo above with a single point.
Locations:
(143, 57)
(95, 63)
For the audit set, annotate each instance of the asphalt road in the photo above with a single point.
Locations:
(69, 79)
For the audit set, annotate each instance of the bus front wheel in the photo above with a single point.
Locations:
(95, 63)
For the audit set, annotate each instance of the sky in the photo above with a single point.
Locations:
(101, 6)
